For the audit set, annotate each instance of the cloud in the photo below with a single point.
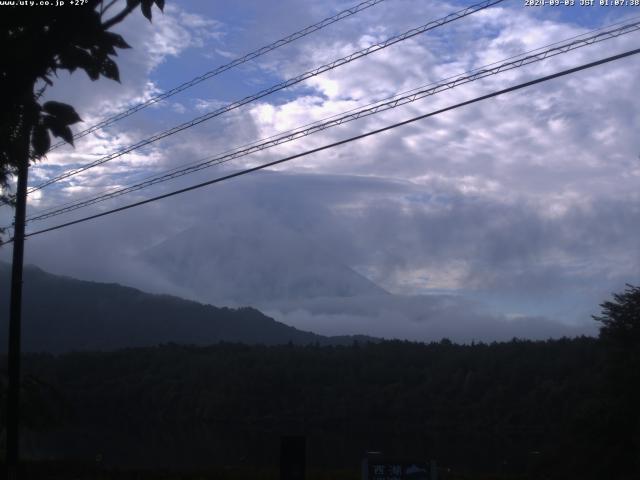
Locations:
(501, 261)
(421, 318)
(526, 204)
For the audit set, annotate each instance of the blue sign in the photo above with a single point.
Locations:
(383, 469)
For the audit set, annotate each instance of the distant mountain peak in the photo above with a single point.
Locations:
(247, 264)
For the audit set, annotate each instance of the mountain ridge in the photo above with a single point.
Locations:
(62, 314)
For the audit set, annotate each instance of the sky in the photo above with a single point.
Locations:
(515, 216)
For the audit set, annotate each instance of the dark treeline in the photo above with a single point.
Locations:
(537, 409)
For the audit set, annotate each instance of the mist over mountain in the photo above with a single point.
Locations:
(274, 265)
(62, 314)
(264, 262)
(279, 244)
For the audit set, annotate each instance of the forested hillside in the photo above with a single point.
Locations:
(507, 408)
(62, 314)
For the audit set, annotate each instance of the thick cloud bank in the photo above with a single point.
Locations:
(512, 217)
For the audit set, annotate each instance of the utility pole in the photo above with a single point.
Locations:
(15, 308)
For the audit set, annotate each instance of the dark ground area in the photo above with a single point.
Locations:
(519, 409)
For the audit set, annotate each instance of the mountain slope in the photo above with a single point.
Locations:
(62, 314)
(233, 264)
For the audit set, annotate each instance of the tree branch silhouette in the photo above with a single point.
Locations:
(37, 42)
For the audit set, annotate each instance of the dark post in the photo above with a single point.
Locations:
(292, 458)
(15, 312)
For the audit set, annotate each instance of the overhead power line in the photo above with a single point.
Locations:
(223, 68)
(341, 142)
(583, 36)
(394, 102)
(287, 83)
